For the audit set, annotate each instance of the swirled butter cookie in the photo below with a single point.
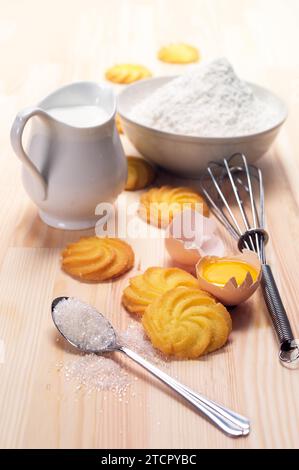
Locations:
(97, 259)
(144, 288)
(140, 174)
(127, 73)
(186, 323)
(118, 124)
(178, 54)
(158, 206)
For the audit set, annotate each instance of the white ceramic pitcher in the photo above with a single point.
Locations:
(69, 170)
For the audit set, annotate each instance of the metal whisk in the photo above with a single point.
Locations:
(232, 184)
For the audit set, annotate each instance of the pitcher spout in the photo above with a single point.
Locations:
(81, 105)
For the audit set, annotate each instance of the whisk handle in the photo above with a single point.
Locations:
(275, 306)
(288, 348)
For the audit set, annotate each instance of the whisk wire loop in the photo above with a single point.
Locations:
(224, 200)
(216, 209)
(253, 206)
(239, 201)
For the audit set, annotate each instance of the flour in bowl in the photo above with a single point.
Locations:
(210, 100)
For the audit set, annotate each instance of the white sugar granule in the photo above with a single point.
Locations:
(83, 325)
(134, 337)
(210, 100)
(108, 372)
(100, 373)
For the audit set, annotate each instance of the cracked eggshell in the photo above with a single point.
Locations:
(203, 240)
(232, 294)
(181, 253)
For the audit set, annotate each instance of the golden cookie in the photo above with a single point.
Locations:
(187, 323)
(140, 174)
(158, 206)
(145, 288)
(118, 124)
(178, 54)
(97, 259)
(127, 73)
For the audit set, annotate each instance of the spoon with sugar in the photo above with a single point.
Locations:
(88, 330)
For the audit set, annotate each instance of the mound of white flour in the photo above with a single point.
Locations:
(209, 100)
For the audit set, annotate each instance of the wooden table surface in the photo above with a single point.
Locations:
(50, 43)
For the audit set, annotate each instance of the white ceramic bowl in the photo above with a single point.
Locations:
(188, 155)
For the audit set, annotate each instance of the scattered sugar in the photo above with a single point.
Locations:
(83, 325)
(209, 100)
(135, 338)
(98, 373)
(104, 373)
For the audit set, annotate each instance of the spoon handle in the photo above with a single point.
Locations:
(228, 421)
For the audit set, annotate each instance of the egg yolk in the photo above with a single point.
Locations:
(219, 272)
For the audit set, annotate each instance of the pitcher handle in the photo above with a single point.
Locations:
(16, 134)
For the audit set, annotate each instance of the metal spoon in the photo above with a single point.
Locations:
(228, 421)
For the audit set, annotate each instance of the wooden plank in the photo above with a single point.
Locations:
(39, 407)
